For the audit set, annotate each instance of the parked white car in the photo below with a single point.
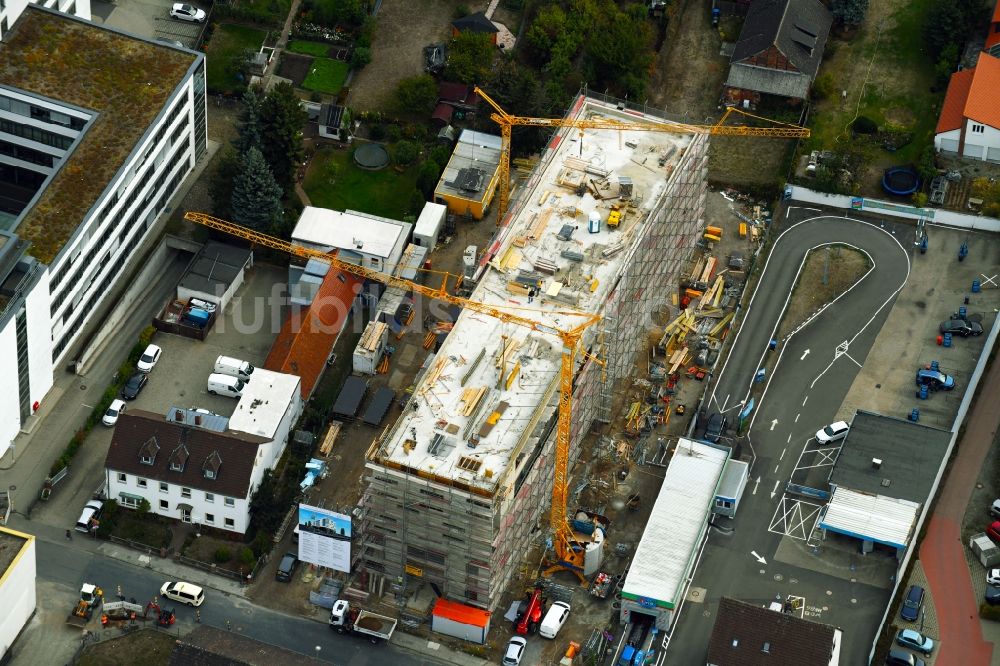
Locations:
(186, 12)
(115, 409)
(993, 577)
(149, 358)
(833, 432)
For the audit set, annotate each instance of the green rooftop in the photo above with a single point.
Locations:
(125, 80)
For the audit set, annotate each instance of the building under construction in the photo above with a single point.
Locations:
(456, 487)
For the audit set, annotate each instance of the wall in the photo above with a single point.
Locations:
(152, 266)
(976, 144)
(10, 410)
(239, 513)
(937, 215)
(17, 589)
(39, 339)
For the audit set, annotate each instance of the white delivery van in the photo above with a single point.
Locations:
(554, 619)
(234, 367)
(225, 385)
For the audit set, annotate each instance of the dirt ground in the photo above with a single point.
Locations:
(154, 646)
(295, 67)
(403, 29)
(828, 272)
(687, 79)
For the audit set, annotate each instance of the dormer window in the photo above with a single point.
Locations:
(178, 458)
(212, 464)
(148, 451)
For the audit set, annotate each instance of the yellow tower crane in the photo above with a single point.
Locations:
(570, 553)
(506, 121)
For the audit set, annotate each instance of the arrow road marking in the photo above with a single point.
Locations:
(804, 354)
(774, 423)
(757, 557)
(775, 491)
(756, 484)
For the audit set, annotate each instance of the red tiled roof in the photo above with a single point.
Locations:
(996, 13)
(306, 339)
(982, 103)
(954, 101)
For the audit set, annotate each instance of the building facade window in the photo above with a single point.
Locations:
(164, 487)
(186, 492)
(23, 380)
(978, 129)
(140, 482)
(230, 523)
(210, 518)
(130, 502)
(230, 502)
(164, 504)
(122, 478)
(210, 498)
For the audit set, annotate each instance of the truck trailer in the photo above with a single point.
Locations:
(357, 621)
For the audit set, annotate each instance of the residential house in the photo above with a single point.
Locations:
(751, 635)
(359, 238)
(190, 474)
(204, 469)
(477, 22)
(779, 50)
(992, 45)
(969, 124)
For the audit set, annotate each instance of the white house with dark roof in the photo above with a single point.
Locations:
(186, 473)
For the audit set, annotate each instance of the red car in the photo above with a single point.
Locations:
(993, 531)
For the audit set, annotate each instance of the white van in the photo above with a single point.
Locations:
(91, 514)
(554, 619)
(185, 593)
(234, 367)
(225, 385)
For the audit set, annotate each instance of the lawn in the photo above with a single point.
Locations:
(318, 49)
(899, 75)
(155, 648)
(150, 529)
(333, 181)
(228, 42)
(326, 76)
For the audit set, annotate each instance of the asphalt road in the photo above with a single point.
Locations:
(816, 367)
(63, 566)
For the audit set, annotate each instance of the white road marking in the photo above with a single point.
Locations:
(758, 557)
(804, 354)
(776, 469)
(756, 484)
(789, 440)
(775, 491)
(804, 400)
(782, 456)
(774, 423)
(797, 417)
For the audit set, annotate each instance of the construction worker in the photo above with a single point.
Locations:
(104, 620)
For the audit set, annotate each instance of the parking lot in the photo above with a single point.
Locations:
(147, 18)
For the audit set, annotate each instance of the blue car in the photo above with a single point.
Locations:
(910, 610)
(935, 380)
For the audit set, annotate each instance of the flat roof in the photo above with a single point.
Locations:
(677, 521)
(502, 418)
(733, 478)
(123, 79)
(12, 545)
(431, 219)
(214, 268)
(265, 400)
(348, 230)
(911, 454)
(886, 520)
(474, 162)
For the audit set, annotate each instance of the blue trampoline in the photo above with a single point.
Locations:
(901, 181)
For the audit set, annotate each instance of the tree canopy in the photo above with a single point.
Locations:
(469, 57)
(256, 199)
(281, 121)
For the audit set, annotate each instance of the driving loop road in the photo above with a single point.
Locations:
(814, 370)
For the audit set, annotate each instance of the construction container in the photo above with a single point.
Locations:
(715, 231)
(370, 348)
(986, 551)
(594, 223)
(429, 225)
(460, 621)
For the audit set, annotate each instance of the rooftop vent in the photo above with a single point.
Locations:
(766, 649)
(876, 463)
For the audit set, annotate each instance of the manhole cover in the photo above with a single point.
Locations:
(778, 577)
(83, 387)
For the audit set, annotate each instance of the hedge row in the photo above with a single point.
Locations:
(124, 372)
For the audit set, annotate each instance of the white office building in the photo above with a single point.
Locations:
(91, 151)
(359, 238)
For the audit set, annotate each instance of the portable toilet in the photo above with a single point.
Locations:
(594, 224)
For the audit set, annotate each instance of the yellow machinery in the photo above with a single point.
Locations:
(569, 553)
(506, 122)
(615, 216)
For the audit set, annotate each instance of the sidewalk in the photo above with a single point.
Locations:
(942, 551)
